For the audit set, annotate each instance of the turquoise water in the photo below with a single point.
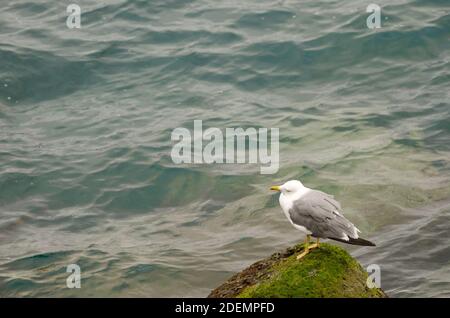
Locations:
(86, 117)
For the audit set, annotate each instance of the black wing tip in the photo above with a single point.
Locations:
(358, 241)
(368, 243)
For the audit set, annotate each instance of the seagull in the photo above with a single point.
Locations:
(317, 214)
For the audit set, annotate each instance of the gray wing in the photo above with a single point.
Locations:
(320, 214)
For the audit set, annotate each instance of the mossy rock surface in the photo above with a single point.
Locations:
(328, 271)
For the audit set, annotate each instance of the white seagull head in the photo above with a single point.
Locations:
(290, 188)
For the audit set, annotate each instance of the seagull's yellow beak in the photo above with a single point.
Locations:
(275, 188)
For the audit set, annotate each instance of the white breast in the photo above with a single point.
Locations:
(286, 203)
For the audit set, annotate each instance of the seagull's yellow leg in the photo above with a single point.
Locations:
(315, 245)
(306, 248)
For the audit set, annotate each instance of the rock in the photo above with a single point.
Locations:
(328, 271)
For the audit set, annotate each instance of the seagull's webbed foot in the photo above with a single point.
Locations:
(315, 245)
(305, 252)
(308, 247)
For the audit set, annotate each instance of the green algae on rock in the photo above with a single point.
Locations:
(328, 271)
